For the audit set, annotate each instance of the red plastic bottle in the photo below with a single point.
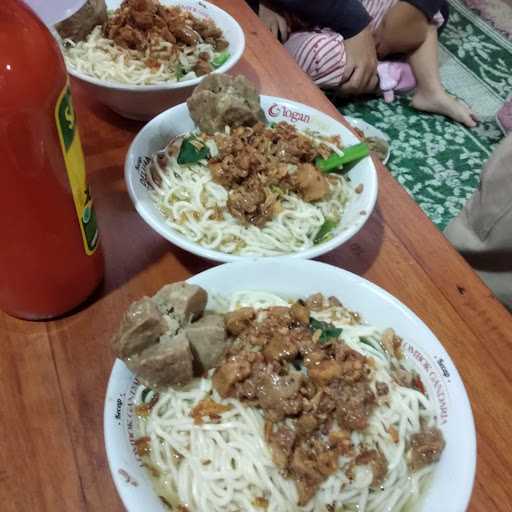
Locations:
(50, 259)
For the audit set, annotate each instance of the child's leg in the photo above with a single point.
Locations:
(401, 31)
(430, 94)
(406, 30)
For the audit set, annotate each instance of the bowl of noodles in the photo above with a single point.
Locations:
(364, 411)
(150, 54)
(281, 206)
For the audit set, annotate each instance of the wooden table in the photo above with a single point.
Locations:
(54, 374)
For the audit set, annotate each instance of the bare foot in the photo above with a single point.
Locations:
(443, 103)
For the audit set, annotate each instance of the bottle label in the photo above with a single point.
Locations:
(75, 166)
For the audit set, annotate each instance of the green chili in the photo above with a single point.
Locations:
(220, 59)
(336, 161)
(324, 231)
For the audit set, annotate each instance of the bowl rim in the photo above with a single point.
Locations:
(361, 124)
(214, 255)
(232, 61)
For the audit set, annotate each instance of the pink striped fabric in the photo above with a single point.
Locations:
(321, 54)
(377, 9)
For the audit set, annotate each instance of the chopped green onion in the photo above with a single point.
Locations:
(145, 394)
(324, 231)
(220, 59)
(365, 341)
(335, 161)
(180, 72)
(190, 154)
(328, 330)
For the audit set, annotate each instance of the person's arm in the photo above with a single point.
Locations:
(346, 17)
(482, 231)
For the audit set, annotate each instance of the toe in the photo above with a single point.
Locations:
(465, 118)
(470, 119)
(470, 123)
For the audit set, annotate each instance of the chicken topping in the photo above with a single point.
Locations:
(252, 202)
(310, 183)
(281, 442)
(237, 321)
(382, 388)
(315, 302)
(202, 67)
(377, 462)
(309, 415)
(143, 24)
(258, 163)
(142, 446)
(260, 502)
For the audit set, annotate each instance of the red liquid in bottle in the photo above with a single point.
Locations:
(50, 259)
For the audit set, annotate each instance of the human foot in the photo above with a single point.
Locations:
(443, 103)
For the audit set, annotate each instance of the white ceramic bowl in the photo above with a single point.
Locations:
(450, 488)
(370, 131)
(176, 121)
(146, 101)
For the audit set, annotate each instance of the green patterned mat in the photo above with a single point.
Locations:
(436, 160)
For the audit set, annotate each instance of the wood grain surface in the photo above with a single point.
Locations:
(54, 374)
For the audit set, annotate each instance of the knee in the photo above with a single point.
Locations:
(403, 30)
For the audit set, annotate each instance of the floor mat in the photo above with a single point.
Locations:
(437, 160)
(497, 12)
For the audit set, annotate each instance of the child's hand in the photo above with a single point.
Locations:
(361, 64)
(274, 22)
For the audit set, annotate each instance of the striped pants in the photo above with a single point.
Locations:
(321, 53)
